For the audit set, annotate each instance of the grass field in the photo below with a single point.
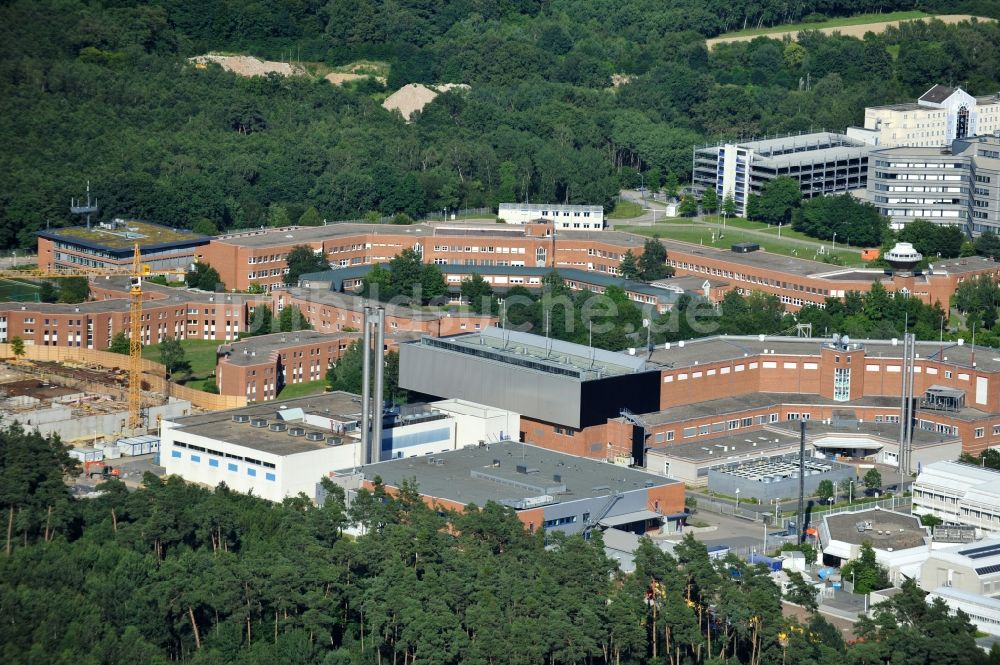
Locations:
(199, 352)
(302, 389)
(840, 22)
(702, 235)
(625, 210)
(15, 291)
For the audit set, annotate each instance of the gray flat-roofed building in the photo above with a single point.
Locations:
(540, 378)
(547, 489)
(821, 162)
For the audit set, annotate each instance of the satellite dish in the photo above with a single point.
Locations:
(845, 340)
(836, 339)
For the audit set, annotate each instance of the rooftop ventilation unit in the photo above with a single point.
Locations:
(334, 441)
(258, 422)
(241, 418)
(314, 436)
(296, 431)
(278, 427)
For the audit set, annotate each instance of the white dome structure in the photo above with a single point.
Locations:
(903, 257)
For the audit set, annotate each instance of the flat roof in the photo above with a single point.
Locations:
(983, 556)
(540, 353)
(759, 400)
(489, 473)
(888, 432)
(219, 425)
(537, 207)
(738, 347)
(297, 235)
(253, 350)
(660, 290)
(149, 236)
(730, 448)
(814, 156)
(888, 529)
(356, 303)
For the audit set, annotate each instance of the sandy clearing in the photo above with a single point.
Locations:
(847, 30)
(339, 78)
(247, 65)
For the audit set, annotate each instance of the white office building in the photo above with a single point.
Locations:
(961, 494)
(937, 118)
(958, 185)
(575, 217)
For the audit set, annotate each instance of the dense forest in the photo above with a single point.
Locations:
(174, 572)
(102, 90)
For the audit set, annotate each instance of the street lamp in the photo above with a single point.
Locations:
(737, 497)
(642, 186)
(834, 243)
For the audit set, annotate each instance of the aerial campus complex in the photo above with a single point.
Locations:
(569, 437)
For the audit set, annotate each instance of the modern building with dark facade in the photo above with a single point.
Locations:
(555, 386)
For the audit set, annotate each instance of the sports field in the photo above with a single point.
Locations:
(15, 291)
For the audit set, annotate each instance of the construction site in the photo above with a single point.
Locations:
(80, 402)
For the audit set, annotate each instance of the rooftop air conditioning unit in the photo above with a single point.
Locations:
(258, 422)
(296, 431)
(334, 441)
(278, 427)
(314, 436)
(241, 418)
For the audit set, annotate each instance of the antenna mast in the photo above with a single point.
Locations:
(80, 208)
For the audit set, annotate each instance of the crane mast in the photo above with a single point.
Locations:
(135, 344)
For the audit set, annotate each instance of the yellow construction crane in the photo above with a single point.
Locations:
(135, 274)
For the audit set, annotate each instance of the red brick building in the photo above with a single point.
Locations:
(259, 257)
(167, 312)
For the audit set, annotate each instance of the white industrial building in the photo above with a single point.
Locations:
(967, 578)
(937, 118)
(957, 493)
(576, 217)
(280, 449)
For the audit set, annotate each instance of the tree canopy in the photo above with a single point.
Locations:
(105, 89)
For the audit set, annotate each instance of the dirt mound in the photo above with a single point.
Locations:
(247, 65)
(414, 97)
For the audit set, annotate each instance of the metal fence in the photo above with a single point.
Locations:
(443, 215)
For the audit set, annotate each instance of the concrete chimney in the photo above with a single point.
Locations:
(378, 397)
(366, 370)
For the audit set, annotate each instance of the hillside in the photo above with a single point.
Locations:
(104, 91)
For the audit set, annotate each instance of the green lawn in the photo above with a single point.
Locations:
(703, 236)
(625, 210)
(859, 19)
(199, 352)
(302, 389)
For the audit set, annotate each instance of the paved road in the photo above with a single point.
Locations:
(9, 261)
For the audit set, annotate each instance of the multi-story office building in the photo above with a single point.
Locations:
(959, 185)
(822, 163)
(937, 118)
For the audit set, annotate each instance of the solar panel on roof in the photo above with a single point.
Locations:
(980, 552)
(986, 570)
